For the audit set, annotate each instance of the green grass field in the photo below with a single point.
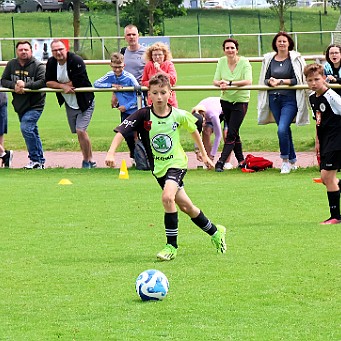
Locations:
(70, 256)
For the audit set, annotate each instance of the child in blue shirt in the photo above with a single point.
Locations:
(124, 101)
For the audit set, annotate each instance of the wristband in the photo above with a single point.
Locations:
(281, 82)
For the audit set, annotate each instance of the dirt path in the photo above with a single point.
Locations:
(74, 159)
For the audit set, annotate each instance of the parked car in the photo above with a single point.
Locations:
(68, 6)
(51, 5)
(254, 4)
(7, 6)
(309, 3)
(218, 4)
(28, 6)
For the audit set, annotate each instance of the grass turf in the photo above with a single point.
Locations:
(70, 256)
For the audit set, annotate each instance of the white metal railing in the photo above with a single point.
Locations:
(318, 58)
(177, 88)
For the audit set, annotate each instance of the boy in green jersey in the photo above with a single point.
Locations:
(159, 128)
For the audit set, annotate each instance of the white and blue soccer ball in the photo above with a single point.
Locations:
(152, 285)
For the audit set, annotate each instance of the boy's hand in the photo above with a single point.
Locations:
(117, 86)
(110, 160)
(208, 162)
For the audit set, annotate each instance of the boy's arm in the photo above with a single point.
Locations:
(110, 158)
(205, 159)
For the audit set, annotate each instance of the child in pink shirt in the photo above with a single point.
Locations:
(158, 60)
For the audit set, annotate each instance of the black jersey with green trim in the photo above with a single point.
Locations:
(327, 114)
(161, 136)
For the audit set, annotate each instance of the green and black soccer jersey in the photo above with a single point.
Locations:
(161, 136)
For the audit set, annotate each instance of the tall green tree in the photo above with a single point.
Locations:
(76, 23)
(148, 16)
(280, 7)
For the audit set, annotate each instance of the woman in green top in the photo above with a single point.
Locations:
(232, 71)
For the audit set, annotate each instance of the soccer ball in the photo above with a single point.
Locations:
(152, 285)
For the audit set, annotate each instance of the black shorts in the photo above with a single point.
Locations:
(173, 174)
(331, 160)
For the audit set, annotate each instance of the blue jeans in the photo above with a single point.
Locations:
(284, 109)
(3, 119)
(29, 131)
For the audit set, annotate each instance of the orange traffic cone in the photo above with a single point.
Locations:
(123, 171)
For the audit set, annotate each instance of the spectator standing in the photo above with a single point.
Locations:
(5, 155)
(27, 72)
(133, 56)
(232, 70)
(159, 127)
(326, 105)
(65, 70)
(127, 100)
(158, 58)
(283, 67)
(332, 67)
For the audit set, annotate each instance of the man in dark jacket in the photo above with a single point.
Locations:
(20, 73)
(66, 70)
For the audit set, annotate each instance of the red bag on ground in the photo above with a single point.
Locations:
(257, 163)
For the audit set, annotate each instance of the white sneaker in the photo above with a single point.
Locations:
(293, 166)
(228, 165)
(286, 168)
(34, 165)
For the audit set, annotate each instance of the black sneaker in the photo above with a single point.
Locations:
(219, 166)
(89, 164)
(7, 159)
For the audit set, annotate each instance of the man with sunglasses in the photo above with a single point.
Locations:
(66, 70)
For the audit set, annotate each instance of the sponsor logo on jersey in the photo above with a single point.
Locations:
(322, 107)
(128, 123)
(162, 143)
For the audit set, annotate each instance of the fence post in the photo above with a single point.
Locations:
(199, 40)
(320, 22)
(90, 27)
(260, 36)
(230, 24)
(291, 25)
(50, 27)
(13, 35)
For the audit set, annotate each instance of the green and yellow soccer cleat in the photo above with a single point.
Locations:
(218, 239)
(168, 253)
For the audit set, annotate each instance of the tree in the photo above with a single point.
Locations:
(280, 7)
(136, 11)
(76, 23)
